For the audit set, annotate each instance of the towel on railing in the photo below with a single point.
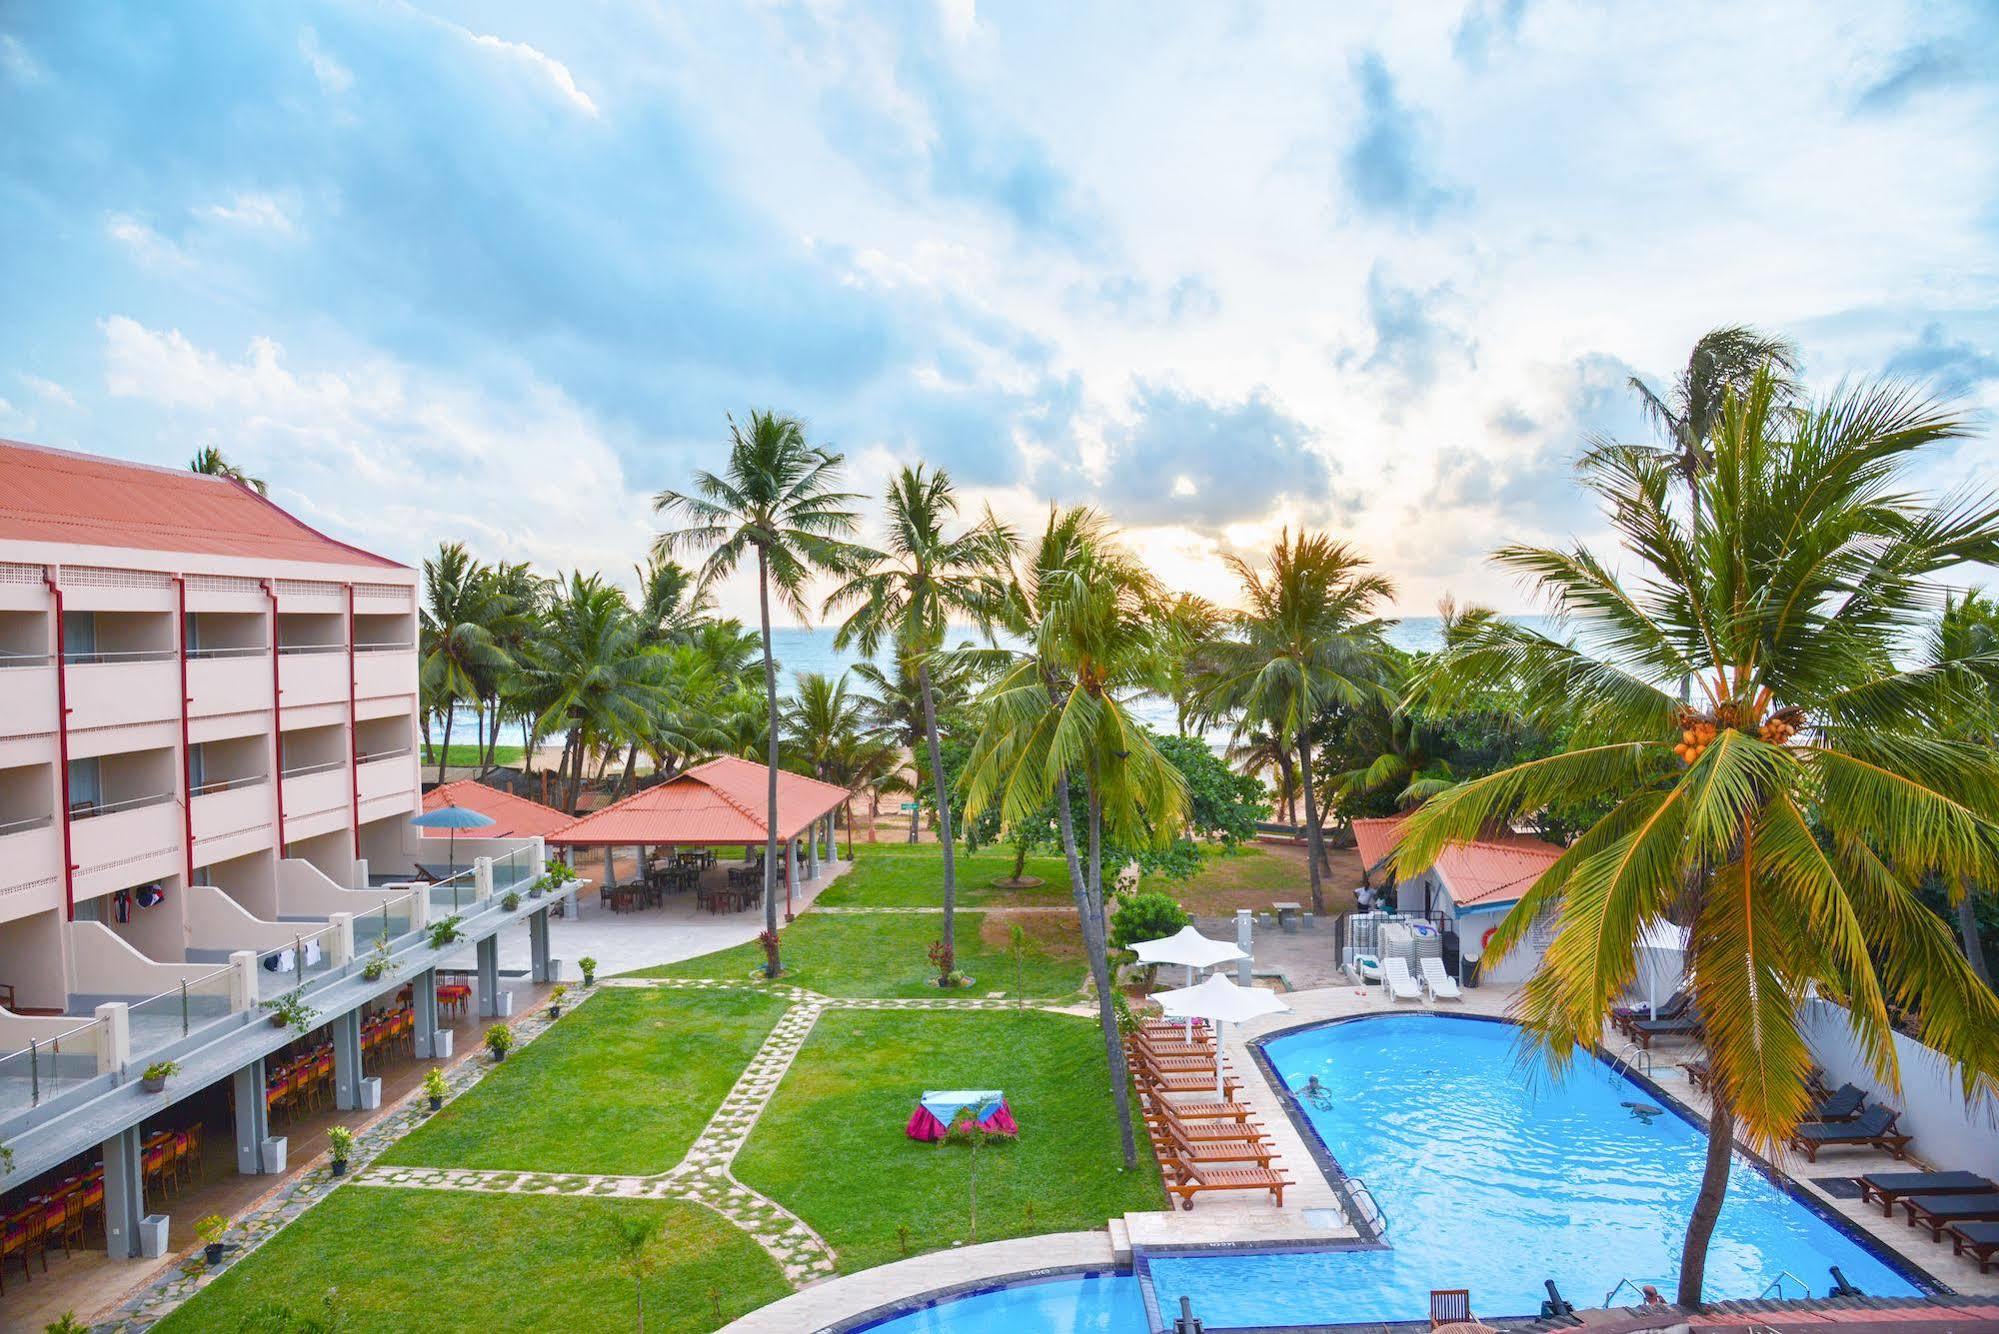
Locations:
(281, 962)
(311, 953)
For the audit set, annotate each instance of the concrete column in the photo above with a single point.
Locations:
(812, 851)
(341, 940)
(346, 1032)
(359, 880)
(790, 851)
(124, 1194)
(538, 946)
(610, 868)
(538, 859)
(419, 909)
(1243, 968)
(253, 1124)
(488, 953)
(243, 986)
(114, 1037)
(423, 1000)
(482, 877)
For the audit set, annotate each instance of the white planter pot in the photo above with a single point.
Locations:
(274, 1155)
(153, 1236)
(371, 1093)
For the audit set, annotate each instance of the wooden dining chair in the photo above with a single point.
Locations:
(22, 1235)
(63, 1225)
(159, 1167)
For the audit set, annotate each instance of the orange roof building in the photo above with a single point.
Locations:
(512, 816)
(722, 801)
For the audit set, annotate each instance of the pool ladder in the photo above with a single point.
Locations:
(1373, 1215)
(1637, 1286)
(1635, 1056)
(1776, 1285)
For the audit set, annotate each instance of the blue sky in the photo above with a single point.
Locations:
(496, 272)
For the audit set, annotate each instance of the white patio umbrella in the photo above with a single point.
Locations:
(1220, 1001)
(1662, 959)
(1189, 948)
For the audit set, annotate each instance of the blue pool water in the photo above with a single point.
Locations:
(1093, 1304)
(1493, 1177)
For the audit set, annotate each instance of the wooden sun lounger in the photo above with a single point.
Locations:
(1646, 1031)
(1206, 1132)
(1198, 1111)
(1874, 1128)
(1624, 1016)
(1888, 1188)
(1978, 1240)
(1228, 1178)
(1174, 1082)
(1843, 1105)
(1178, 1065)
(1935, 1211)
(1177, 1151)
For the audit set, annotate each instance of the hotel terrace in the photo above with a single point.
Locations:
(207, 772)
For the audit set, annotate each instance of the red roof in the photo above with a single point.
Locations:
(513, 817)
(1498, 867)
(53, 495)
(721, 801)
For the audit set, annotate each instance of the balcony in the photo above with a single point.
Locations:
(115, 689)
(27, 694)
(317, 798)
(388, 773)
(233, 680)
(123, 842)
(312, 674)
(384, 669)
(31, 851)
(232, 818)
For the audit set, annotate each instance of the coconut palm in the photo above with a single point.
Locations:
(1255, 752)
(1192, 622)
(1059, 713)
(1968, 631)
(210, 462)
(1787, 817)
(777, 497)
(457, 655)
(1307, 638)
(907, 594)
(602, 683)
(867, 763)
(1723, 362)
(1402, 751)
(818, 718)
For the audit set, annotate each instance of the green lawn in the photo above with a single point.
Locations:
(467, 755)
(887, 954)
(443, 1260)
(831, 1145)
(623, 1085)
(906, 875)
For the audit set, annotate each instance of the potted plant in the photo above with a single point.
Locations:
(434, 1087)
(444, 933)
(377, 966)
(555, 996)
(340, 1143)
(155, 1076)
(559, 874)
(511, 902)
(499, 1041)
(540, 885)
(291, 1011)
(212, 1230)
(6, 1160)
(589, 967)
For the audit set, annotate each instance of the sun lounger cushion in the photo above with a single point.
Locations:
(1840, 1106)
(1875, 1121)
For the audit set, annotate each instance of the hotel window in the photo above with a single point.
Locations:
(86, 785)
(79, 634)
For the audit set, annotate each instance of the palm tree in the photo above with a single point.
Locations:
(1788, 816)
(1307, 638)
(600, 679)
(907, 594)
(1402, 751)
(1968, 631)
(210, 462)
(1256, 751)
(1060, 712)
(456, 651)
(1193, 623)
(776, 496)
(1723, 362)
(869, 763)
(669, 613)
(818, 719)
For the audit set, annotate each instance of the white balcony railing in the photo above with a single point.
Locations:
(89, 810)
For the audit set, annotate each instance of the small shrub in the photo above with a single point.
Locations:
(557, 993)
(291, 1011)
(157, 1070)
(511, 902)
(499, 1040)
(377, 966)
(433, 1083)
(340, 1143)
(945, 960)
(445, 932)
(589, 967)
(1146, 916)
(211, 1229)
(66, 1323)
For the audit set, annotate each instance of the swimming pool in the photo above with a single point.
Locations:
(1491, 1177)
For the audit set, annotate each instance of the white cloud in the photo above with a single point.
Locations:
(394, 458)
(546, 66)
(257, 212)
(147, 246)
(48, 389)
(16, 62)
(334, 78)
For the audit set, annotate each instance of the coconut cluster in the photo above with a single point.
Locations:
(1698, 730)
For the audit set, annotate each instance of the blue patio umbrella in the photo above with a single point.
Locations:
(453, 818)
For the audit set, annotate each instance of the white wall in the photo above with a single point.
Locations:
(1949, 1133)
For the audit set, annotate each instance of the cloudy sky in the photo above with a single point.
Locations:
(497, 272)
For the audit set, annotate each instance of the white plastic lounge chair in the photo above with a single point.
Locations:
(1440, 984)
(1395, 974)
